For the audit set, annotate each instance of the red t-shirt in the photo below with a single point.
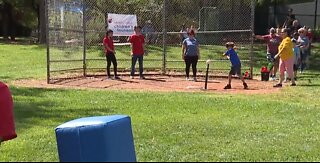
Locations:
(272, 43)
(7, 127)
(310, 35)
(109, 42)
(137, 42)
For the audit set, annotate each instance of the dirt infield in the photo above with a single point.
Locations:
(155, 83)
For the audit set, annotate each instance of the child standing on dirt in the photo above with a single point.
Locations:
(110, 54)
(232, 55)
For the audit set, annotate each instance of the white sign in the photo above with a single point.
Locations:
(122, 25)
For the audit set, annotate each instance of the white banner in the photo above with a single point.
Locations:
(122, 25)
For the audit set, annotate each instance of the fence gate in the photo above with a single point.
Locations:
(76, 29)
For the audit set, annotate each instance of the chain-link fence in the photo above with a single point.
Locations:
(76, 29)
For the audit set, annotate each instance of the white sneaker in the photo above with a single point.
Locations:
(131, 77)
(187, 79)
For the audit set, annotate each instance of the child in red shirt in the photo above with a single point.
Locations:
(137, 51)
(110, 54)
(7, 127)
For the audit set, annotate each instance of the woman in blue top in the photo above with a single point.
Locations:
(232, 55)
(191, 54)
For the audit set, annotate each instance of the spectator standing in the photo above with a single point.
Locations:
(304, 44)
(290, 19)
(137, 51)
(310, 37)
(286, 58)
(273, 41)
(295, 27)
(297, 55)
(148, 32)
(191, 54)
(110, 54)
(183, 33)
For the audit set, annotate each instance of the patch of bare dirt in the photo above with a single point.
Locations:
(155, 83)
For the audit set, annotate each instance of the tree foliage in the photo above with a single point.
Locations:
(23, 11)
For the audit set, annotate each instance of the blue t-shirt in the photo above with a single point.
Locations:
(234, 59)
(191, 45)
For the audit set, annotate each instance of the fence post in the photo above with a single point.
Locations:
(48, 40)
(251, 37)
(84, 38)
(315, 15)
(164, 23)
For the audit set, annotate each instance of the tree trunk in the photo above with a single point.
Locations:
(42, 21)
(8, 21)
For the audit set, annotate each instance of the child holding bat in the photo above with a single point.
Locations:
(232, 55)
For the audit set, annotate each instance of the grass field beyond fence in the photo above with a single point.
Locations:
(282, 126)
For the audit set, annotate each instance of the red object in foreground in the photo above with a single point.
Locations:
(7, 127)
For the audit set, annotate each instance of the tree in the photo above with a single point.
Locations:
(19, 15)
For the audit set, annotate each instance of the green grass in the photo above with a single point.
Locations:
(177, 126)
(282, 126)
(22, 62)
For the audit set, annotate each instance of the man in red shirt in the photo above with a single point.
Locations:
(7, 127)
(110, 54)
(137, 51)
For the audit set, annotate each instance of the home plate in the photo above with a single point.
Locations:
(194, 87)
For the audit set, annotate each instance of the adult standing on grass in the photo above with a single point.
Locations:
(273, 42)
(286, 57)
(304, 44)
(110, 54)
(137, 51)
(290, 19)
(191, 54)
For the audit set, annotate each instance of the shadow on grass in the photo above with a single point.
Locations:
(309, 85)
(33, 108)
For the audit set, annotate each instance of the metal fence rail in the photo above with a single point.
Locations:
(76, 29)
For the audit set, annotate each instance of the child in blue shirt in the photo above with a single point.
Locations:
(235, 65)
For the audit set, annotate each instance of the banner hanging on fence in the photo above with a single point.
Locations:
(122, 25)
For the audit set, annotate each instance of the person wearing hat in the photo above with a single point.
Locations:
(273, 41)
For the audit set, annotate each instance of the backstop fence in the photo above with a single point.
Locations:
(76, 29)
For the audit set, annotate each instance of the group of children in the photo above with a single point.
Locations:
(138, 51)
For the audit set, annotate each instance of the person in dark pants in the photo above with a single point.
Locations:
(110, 54)
(191, 54)
(137, 51)
(232, 55)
